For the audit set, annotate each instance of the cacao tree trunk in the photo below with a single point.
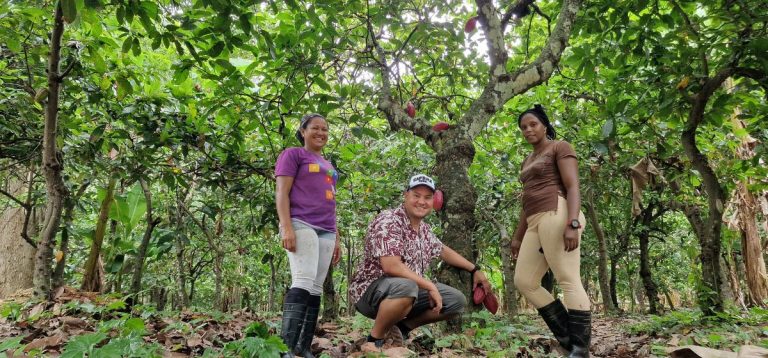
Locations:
(16, 255)
(61, 263)
(180, 245)
(602, 250)
(613, 282)
(707, 228)
(53, 165)
(218, 259)
(647, 217)
(330, 300)
(141, 255)
(351, 264)
(91, 280)
(710, 298)
(754, 264)
(730, 271)
(159, 297)
(508, 269)
(272, 284)
(645, 274)
(453, 160)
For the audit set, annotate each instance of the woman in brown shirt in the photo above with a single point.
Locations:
(549, 231)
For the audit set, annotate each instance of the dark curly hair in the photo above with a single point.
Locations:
(538, 112)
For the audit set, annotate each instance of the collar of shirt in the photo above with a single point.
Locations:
(405, 221)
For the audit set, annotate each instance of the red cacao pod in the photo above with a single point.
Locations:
(440, 126)
(437, 200)
(470, 25)
(491, 303)
(478, 294)
(410, 109)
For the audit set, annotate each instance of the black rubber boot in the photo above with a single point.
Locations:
(580, 329)
(556, 317)
(294, 310)
(304, 345)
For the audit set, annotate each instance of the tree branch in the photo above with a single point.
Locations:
(14, 199)
(394, 112)
(758, 76)
(502, 86)
(67, 70)
(715, 193)
(519, 10)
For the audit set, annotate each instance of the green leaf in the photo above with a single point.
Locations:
(13, 44)
(134, 326)
(80, 346)
(216, 49)
(245, 23)
(68, 10)
(608, 129)
(257, 329)
(127, 43)
(129, 209)
(124, 87)
(98, 62)
(116, 264)
(11, 344)
(136, 46)
(321, 82)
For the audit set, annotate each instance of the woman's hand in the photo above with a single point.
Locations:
(336, 252)
(571, 238)
(289, 239)
(514, 246)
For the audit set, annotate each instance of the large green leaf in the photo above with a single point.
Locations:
(129, 209)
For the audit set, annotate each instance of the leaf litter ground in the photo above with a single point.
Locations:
(86, 324)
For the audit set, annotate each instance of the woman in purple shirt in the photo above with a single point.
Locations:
(306, 205)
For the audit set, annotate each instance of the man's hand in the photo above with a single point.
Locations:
(289, 239)
(514, 246)
(479, 279)
(435, 300)
(571, 238)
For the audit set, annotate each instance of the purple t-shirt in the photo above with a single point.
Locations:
(313, 194)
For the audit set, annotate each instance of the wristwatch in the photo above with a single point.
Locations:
(575, 224)
(477, 268)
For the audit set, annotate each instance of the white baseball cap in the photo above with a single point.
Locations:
(421, 179)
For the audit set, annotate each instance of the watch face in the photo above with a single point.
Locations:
(575, 224)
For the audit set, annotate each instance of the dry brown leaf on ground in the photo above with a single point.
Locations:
(699, 352)
(37, 309)
(73, 322)
(45, 342)
(752, 352)
(194, 341)
(674, 341)
(369, 347)
(321, 344)
(399, 352)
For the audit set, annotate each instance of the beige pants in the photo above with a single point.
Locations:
(542, 248)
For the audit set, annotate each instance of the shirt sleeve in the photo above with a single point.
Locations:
(287, 163)
(386, 236)
(564, 149)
